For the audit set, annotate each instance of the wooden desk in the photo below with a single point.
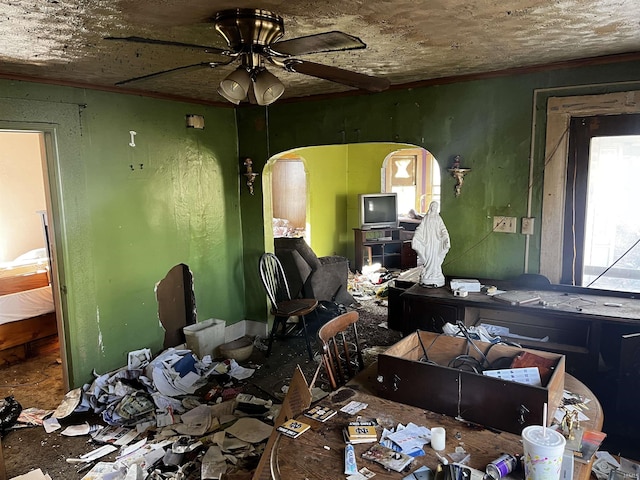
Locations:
(579, 323)
(307, 457)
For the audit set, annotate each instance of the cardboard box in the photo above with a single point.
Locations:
(404, 376)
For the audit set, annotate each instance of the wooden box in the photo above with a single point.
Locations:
(404, 376)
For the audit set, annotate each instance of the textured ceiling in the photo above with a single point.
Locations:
(407, 40)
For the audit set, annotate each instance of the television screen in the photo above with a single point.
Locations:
(378, 210)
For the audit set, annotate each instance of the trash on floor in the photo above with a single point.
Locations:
(167, 417)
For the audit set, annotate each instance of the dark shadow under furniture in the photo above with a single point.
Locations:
(409, 256)
(310, 276)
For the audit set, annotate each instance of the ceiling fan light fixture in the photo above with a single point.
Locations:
(267, 87)
(235, 86)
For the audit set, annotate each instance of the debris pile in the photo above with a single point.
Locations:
(174, 416)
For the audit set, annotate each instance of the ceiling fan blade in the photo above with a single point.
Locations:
(154, 41)
(338, 75)
(322, 42)
(184, 68)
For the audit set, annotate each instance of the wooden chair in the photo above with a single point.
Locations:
(283, 306)
(340, 361)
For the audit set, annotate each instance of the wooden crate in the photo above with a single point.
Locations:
(405, 377)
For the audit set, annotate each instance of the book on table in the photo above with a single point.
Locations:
(320, 413)
(361, 432)
(293, 428)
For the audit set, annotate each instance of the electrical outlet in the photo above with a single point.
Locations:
(504, 224)
(527, 226)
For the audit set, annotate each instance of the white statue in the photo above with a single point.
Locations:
(431, 243)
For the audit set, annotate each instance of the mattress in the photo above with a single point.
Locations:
(26, 304)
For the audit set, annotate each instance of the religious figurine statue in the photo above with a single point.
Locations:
(249, 174)
(570, 423)
(431, 242)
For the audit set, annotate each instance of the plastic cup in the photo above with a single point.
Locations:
(438, 438)
(542, 453)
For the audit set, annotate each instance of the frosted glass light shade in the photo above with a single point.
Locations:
(236, 85)
(267, 88)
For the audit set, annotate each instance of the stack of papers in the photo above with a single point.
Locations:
(470, 285)
(407, 439)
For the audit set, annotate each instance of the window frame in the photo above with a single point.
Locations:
(560, 110)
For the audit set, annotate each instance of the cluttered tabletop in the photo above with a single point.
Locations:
(397, 441)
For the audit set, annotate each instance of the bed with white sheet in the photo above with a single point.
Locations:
(27, 311)
(26, 304)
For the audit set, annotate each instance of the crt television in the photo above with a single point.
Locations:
(378, 210)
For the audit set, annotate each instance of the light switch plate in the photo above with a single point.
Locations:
(504, 224)
(527, 225)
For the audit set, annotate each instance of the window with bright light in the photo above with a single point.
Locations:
(601, 244)
(612, 225)
(414, 175)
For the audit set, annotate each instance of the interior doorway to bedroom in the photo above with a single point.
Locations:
(28, 318)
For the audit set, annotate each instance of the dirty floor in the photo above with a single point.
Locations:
(38, 383)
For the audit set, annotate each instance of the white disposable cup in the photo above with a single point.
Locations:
(542, 453)
(438, 438)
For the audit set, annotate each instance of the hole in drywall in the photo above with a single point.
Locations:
(176, 304)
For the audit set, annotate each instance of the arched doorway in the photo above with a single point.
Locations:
(334, 176)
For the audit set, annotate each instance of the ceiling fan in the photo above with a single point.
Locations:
(253, 37)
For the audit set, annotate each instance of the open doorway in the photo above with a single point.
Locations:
(29, 315)
(289, 197)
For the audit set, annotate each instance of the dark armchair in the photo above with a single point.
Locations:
(310, 276)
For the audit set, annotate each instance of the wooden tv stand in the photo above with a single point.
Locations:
(378, 245)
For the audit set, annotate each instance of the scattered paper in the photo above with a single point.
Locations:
(100, 470)
(528, 375)
(354, 407)
(197, 421)
(51, 424)
(68, 404)
(238, 372)
(410, 438)
(76, 430)
(94, 454)
(363, 474)
(33, 475)
(138, 359)
(250, 430)
(33, 416)
(213, 463)
(422, 473)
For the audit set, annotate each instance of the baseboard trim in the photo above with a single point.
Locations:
(245, 327)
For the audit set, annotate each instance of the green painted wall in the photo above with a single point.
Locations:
(118, 231)
(119, 227)
(489, 122)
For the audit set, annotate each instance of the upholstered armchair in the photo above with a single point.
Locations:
(310, 276)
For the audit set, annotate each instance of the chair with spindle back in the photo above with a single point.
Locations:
(283, 306)
(341, 358)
